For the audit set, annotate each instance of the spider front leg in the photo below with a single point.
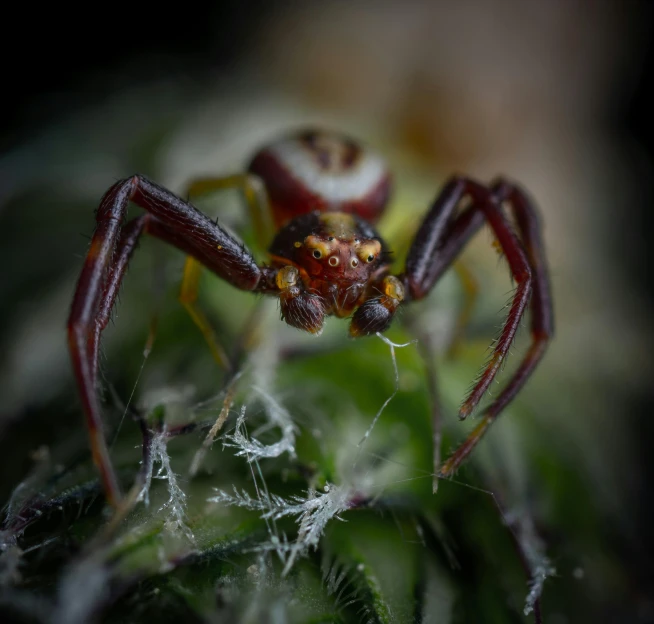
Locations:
(88, 318)
(542, 316)
(439, 240)
(170, 219)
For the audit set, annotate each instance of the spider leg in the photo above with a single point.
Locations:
(170, 219)
(528, 267)
(188, 297)
(255, 196)
(421, 275)
(542, 317)
(257, 201)
(440, 238)
(87, 320)
(521, 272)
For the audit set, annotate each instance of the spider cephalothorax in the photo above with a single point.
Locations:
(335, 258)
(323, 192)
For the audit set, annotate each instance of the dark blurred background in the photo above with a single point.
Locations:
(480, 88)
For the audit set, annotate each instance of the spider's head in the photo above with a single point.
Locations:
(331, 247)
(350, 259)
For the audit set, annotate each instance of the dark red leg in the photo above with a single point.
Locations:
(83, 332)
(542, 318)
(521, 273)
(129, 236)
(169, 218)
(440, 238)
(447, 244)
(420, 276)
(456, 236)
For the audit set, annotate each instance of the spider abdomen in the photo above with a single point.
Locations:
(324, 171)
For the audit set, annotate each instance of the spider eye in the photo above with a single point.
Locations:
(318, 247)
(369, 251)
(333, 261)
(357, 241)
(331, 238)
(354, 263)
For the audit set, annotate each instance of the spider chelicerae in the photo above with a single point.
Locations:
(321, 193)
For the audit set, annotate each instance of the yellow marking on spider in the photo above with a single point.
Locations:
(338, 224)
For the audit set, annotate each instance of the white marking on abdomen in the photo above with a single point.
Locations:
(350, 185)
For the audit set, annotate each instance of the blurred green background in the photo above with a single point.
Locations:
(553, 95)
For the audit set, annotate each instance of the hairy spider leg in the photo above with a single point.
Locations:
(84, 343)
(420, 276)
(255, 196)
(256, 199)
(522, 275)
(452, 234)
(170, 219)
(542, 316)
(454, 238)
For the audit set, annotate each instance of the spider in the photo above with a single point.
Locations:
(322, 193)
